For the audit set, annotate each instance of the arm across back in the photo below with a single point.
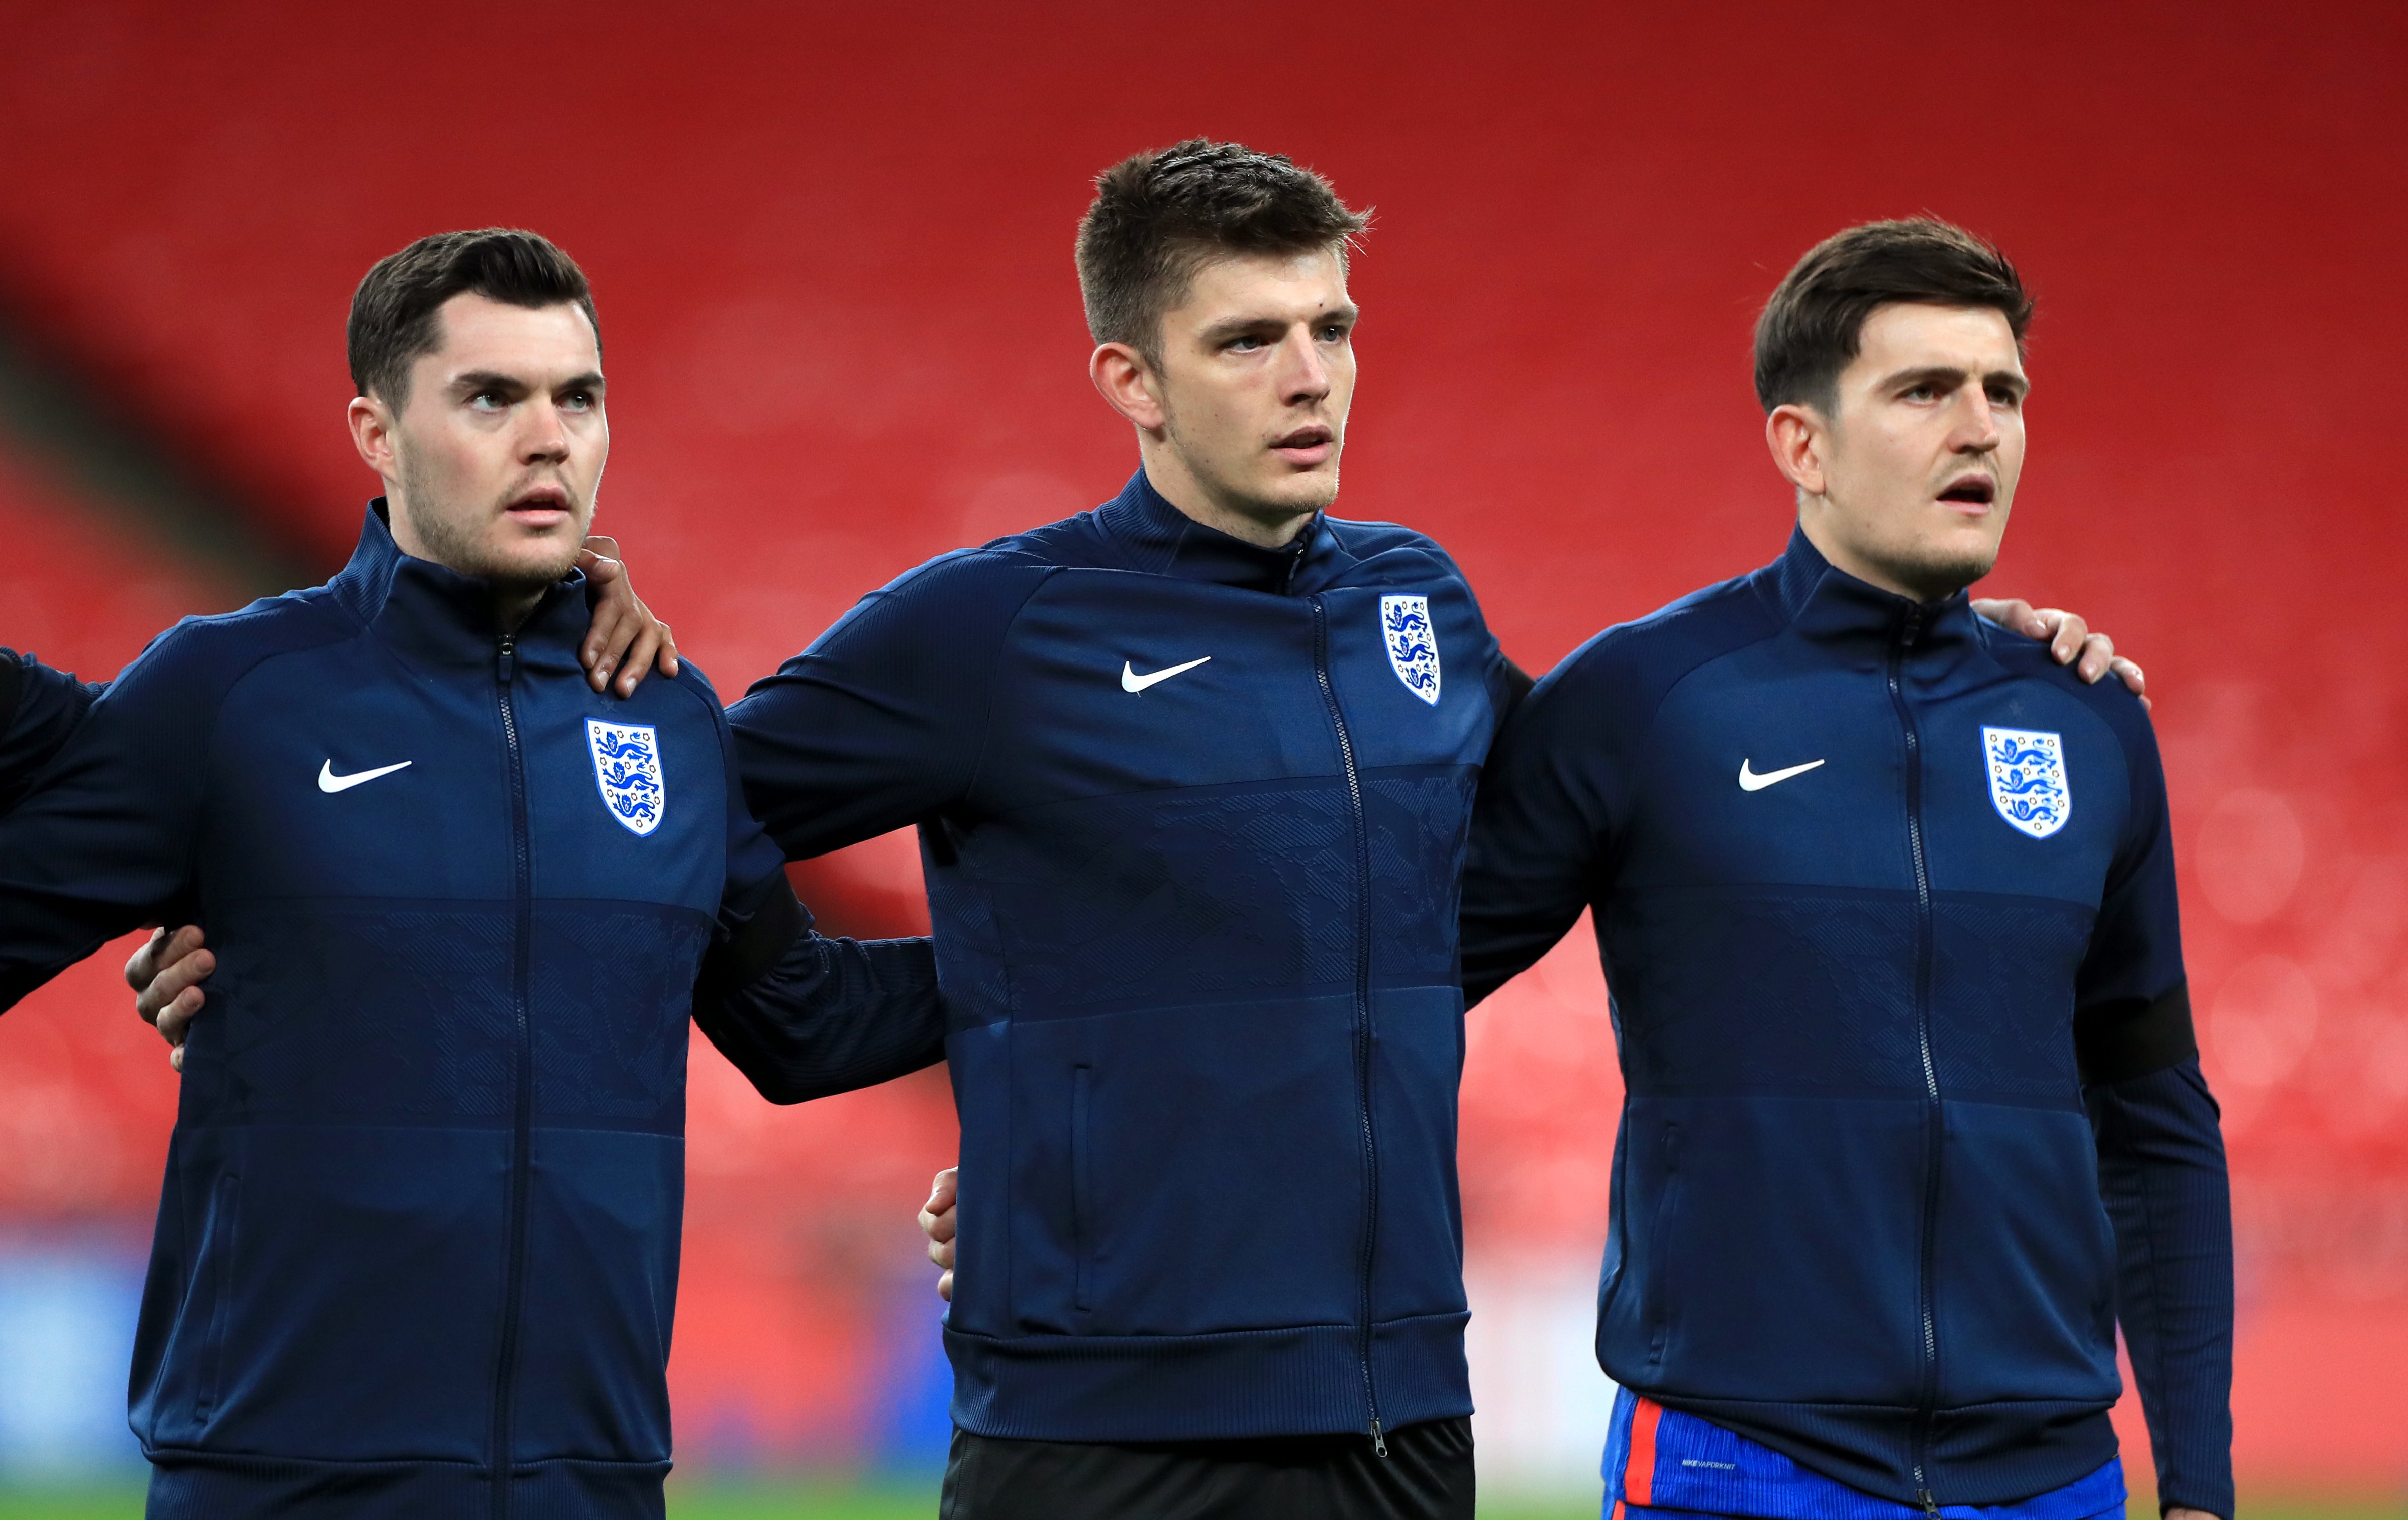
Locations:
(1540, 832)
(2161, 1167)
(880, 722)
(106, 844)
(40, 709)
(802, 1016)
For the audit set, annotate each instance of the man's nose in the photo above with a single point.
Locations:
(1977, 426)
(546, 438)
(1303, 373)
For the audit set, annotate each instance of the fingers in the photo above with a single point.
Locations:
(606, 640)
(2068, 632)
(2098, 655)
(143, 964)
(936, 1221)
(2013, 613)
(164, 952)
(176, 1022)
(936, 1217)
(176, 985)
(2134, 681)
(667, 658)
(647, 648)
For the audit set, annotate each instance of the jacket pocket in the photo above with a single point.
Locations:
(1660, 1257)
(1082, 1187)
(214, 1278)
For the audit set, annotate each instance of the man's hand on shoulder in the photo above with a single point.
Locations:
(624, 636)
(2068, 638)
(165, 975)
(937, 1223)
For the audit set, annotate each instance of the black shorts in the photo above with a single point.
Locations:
(1426, 1475)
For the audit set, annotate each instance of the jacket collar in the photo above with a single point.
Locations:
(1826, 603)
(1151, 534)
(433, 616)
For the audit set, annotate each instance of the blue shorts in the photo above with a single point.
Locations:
(1663, 1465)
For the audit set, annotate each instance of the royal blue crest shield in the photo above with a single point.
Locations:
(2027, 781)
(627, 767)
(1412, 646)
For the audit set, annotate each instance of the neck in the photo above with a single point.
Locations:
(514, 601)
(1843, 556)
(513, 605)
(1263, 525)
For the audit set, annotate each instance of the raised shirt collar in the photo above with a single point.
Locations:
(1823, 601)
(1156, 536)
(435, 616)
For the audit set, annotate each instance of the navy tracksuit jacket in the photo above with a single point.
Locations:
(39, 708)
(421, 1217)
(1193, 815)
(1914, 1114)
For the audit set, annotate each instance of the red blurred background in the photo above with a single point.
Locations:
(832, 250)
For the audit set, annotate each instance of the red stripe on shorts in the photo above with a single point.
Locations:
(1639, 1477)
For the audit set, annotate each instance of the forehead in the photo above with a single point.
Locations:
(1246, 285)
(477, 333)
(1910, 335)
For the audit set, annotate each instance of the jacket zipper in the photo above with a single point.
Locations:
(506, 1370)
(1362, 1003)
(1933, 1130)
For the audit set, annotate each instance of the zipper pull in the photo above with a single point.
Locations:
(1379, 1442)
(1930, 1505)
(508, 663)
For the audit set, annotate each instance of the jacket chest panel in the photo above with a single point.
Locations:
(345, 775)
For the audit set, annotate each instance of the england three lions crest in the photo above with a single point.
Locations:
(2027, 781)
(627, 767)
(1412, 645)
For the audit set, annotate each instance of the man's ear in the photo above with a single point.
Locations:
(1129, 384)
(1799, 440)
(371, 426)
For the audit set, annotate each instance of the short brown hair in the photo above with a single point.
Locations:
(393, 310)
(1810, 329)
(1160, 214)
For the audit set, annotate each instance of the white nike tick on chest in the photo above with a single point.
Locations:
(1132, 681)
(1750, 781)
(329, 782)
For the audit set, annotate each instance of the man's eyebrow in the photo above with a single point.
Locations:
(1228, 327)
(475, 381)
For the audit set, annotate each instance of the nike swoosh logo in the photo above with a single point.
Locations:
(1132, 681)
(329, 782)
(1750, 782)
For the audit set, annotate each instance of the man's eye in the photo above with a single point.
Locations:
(1922, 393)
(578, 401)
(1244, 345)
(1333, 333)
(487, 400)
(2001, 395)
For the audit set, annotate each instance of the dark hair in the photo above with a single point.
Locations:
(1810, 328)
(1159, 215)
(393, 310)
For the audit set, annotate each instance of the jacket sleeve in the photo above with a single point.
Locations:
(800, 1014)
(2161, 1167)
(803, 1015)
(1540, 832)
(39, 710)
(882, 721)
(106, 844)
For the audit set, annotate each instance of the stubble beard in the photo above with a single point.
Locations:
(451, 542)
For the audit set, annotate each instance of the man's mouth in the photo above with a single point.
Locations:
(538, 507)
(1971, 490)
(1306, 446)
